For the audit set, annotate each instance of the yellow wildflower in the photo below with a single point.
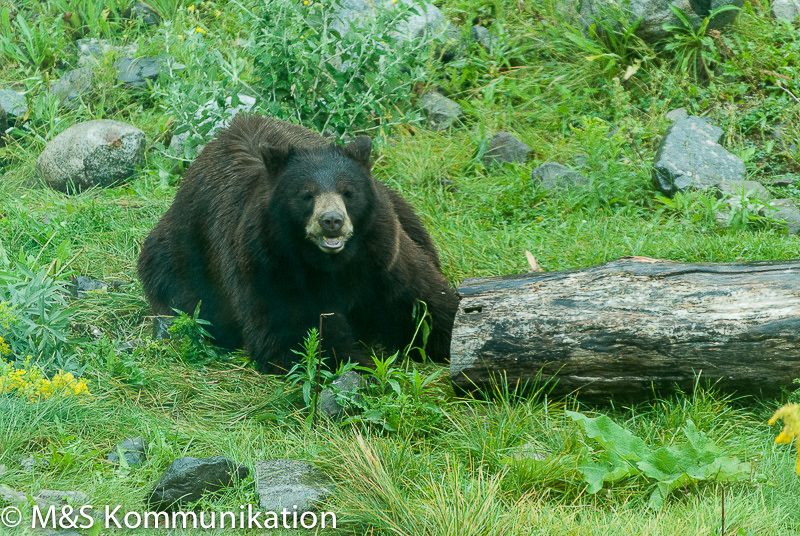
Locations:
(790, 415)
(29, 382)
(190, 8)
(200, 30)
(5, 349)
(217, 13)
(305, 2)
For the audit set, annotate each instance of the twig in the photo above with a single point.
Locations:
(319, 369)
(792, 95)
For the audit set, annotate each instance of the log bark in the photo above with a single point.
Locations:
(632, 327)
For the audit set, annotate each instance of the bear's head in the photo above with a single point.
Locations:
(325, 194)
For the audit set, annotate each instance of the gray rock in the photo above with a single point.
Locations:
(426, 20)
(689, 157)
(505, 149)
(3, 470)
(789, 212)
(783, 180)
(653, 14)
(161, 325)
(85, 285)
(136, 72)
(788, 10)
(440, 111)
(90, 50)
(289, 483)
(335, 400)
(9, 495)
(133, 449)
(145, 12)
(63, 497)
(554, 177)
(13, 103)
(30, 464)
(187, 479)
(750, 190)
(481, 35)
(676, 114)
(72, 86)
(422, 19)
(95, 153)
(246, 103)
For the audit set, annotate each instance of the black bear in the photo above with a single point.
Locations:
(272, 226)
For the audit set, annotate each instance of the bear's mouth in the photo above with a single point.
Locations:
(331, 244)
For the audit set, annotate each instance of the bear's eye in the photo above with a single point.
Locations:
(347, 193)
(308, 196)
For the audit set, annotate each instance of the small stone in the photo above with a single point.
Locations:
(505, 149)
(13, 103)
(161, 325)
(789, 212)
(8, 495)
(30, 464)
(783, 180)
(91, 49)
(555, 177)
(133, 449)
(440, 111)
(481, 35)
(63, 497)
(676, 114)
(72, 86)
(145, 12)
(187, 479)
(136, 72)
(85, 285)
(336, 399)
(289, 483)
(750, 189)
(788, 10)
(94, 153)
(690, 157)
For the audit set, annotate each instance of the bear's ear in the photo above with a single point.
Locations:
(274, 158)
(360, 149)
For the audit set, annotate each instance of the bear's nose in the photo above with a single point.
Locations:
(331, 222)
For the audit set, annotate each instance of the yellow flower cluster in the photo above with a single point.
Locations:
(29, 382)
(790, 415)
(5, 349)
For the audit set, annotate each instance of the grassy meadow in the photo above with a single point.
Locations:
(422, 461)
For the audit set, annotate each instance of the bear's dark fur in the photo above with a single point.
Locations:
(273, 226)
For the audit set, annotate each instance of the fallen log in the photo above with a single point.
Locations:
(631, 327)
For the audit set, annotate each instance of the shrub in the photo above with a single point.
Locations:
(329, 75)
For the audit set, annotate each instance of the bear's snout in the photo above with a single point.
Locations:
(329, 226)
(331, 223)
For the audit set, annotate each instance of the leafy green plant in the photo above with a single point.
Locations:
(26, 44)
(694, 50)
(331, 75)
(191, 338)
(310, 369)
(35, 317)
(118, 363)
(668, 468)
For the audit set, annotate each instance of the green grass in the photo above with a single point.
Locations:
(443, 472)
